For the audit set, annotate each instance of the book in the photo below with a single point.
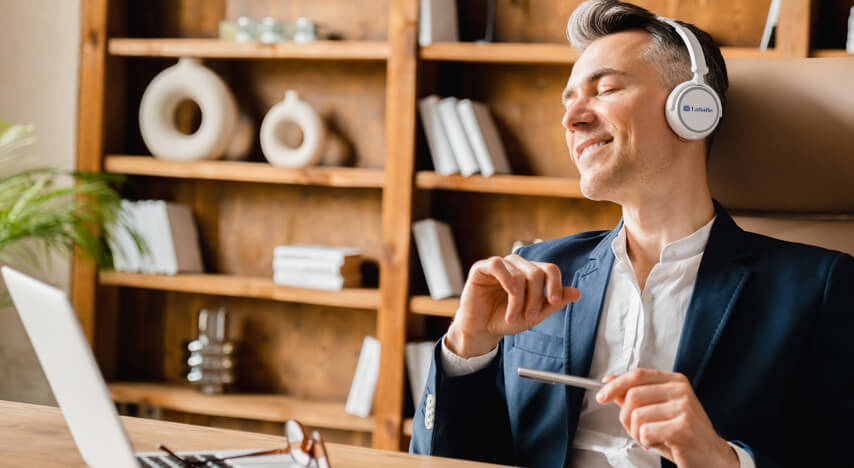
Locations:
(324, 252)
(770, 25)
(361, 396)
(169, 233)
(327, 281)
(439, 258)
(317, 265)
(466, 161)
(437, 22)
(483, 137)
(437, 139)
(419, 356)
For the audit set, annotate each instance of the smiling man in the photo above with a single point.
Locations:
(718, 347)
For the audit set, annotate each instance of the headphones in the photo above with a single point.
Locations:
(693, 108)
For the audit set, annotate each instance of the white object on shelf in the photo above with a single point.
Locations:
(418, 358)
(439, 258)
(483, 137)
(361, 396)
(463, 154)
(295, 110)
(187, 80)
(326, 281)
(437, 139)
(437, 22)
(323, 252)
(770, 24)
(169, 233)
(317, 265)
(849, 46)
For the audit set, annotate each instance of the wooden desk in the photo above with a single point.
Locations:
(37, 436)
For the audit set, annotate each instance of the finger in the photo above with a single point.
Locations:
(661, 434)
(616, 389)
(535, 280)
(649, 414)
(553, 282)
(510, 279)
(569, 294)
(643, 395)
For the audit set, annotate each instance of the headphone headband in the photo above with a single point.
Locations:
(695, 50)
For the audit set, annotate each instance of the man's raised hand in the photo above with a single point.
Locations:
(504, 296)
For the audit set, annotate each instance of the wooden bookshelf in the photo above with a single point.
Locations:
(507, 52)
(509, 184)
(425, 305)
(214, 48)
(235, 286)
(245, 172)
(831, 53)
(275, 408)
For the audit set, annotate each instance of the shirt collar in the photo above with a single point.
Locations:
(687, 247)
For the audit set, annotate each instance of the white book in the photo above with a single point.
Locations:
(316, 265)
(418, 358)
(437, 22)
(142, 221)
(327, 281)
(439, 258)
(437, 139)
(457, 136)
(770, 24)
(483, 137)
(122, 246)
(361, 396)
(325, 252)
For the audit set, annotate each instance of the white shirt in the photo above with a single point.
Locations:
(637, 329)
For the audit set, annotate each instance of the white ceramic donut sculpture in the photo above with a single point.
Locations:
(187, 79)
(293, 109)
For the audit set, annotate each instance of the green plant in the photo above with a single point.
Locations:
(46, 210)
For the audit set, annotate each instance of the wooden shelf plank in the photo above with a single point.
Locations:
(831, 53)
(425, 305)
(262, 407)
(501, 52)
(214, 48)
(235, 286)
(507, 52)
(246, 172)
(511, 184)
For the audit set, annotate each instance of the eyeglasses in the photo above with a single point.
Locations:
(302, 449)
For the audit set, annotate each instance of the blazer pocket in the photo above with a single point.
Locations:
(534, 342)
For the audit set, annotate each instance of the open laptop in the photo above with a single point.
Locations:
(79, 387)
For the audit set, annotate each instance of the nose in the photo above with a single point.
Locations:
(578, 114)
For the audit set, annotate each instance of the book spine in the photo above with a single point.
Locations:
(437, 139)
(457, 136)
(361, 396)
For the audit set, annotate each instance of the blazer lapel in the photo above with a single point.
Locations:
(718, 286)
(583, 321)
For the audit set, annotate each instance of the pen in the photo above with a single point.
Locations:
(555, 378)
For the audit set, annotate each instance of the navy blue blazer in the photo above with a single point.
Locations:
(765, 345)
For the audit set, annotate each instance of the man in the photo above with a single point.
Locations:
(719, 347)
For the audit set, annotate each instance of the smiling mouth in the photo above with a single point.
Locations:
(592, 147)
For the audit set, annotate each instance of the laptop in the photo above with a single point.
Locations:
(79, 387)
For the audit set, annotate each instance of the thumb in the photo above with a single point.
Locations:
(570, 294)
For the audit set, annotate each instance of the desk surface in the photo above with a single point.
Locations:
(32, 435)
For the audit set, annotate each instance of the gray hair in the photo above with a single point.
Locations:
(594, 19)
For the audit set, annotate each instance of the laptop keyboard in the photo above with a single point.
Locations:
(166, 461)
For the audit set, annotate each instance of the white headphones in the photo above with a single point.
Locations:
(693, 108)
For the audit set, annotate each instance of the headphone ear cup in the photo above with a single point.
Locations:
(693, 110)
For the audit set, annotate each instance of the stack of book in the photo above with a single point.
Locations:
(317, 266)
(167, 233)
(462, 137)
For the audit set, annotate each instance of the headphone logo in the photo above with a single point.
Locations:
(687, 108)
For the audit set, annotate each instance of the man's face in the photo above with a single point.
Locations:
(616, 130)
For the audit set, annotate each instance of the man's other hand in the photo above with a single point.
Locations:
(660, 411)
(504, 296)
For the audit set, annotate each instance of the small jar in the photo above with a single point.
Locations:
(247, 30)
(305, 31)
(272, 31)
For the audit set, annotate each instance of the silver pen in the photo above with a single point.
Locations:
(557, 378)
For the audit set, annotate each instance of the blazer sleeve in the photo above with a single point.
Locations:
(465, 416)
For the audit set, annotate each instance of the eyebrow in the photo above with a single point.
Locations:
(598, 74)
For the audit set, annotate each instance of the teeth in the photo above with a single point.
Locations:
(594, 146)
